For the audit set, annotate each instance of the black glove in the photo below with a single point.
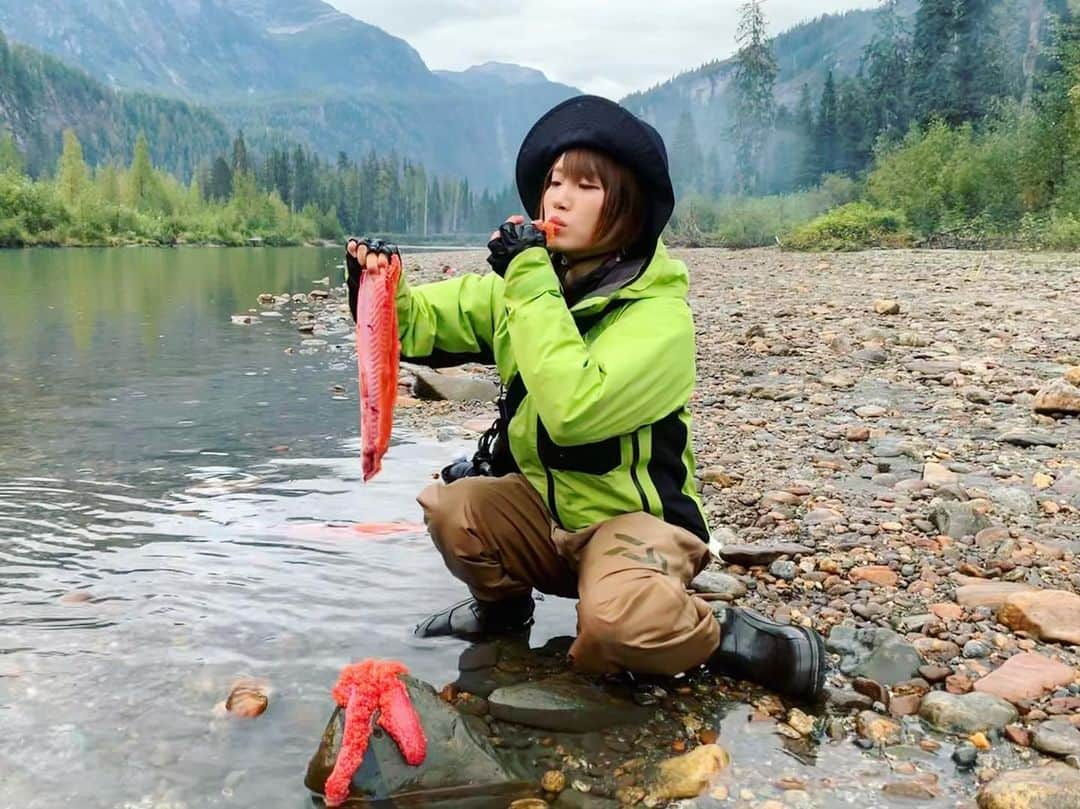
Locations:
(513, 239)
(354, 269)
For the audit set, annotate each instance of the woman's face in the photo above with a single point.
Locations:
(575, 206)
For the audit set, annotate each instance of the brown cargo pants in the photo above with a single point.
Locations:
(630, 573)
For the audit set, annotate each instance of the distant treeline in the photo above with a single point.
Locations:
(288, 197)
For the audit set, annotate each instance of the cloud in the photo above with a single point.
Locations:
(600, 46)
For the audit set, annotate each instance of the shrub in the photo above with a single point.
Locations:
(855, 226)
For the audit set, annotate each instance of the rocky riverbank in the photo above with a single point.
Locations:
(889, 449)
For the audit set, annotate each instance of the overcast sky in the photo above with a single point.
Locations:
(608, 47)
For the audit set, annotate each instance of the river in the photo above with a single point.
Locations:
(166, 478)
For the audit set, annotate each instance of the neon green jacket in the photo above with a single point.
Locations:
(603, 427)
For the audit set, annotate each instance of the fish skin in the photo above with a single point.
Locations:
(378, 353)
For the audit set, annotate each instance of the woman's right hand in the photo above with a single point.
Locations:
(365, 254)
(368, 254)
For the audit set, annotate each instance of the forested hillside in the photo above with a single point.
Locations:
(40, 97)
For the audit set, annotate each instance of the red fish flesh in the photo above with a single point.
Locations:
(378, 350)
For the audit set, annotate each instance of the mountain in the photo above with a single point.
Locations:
(215, 50)
(40, 97)
(298, 70)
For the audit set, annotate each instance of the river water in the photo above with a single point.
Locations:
(175, 496)
(166, 479)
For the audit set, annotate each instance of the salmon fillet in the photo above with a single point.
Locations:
(378, 351)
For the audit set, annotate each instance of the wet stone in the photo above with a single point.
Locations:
(1026, 676)
(878, 729)
(764, 554)
(1053, 787)
(965, 755)
(1057, 737)
(966, 713)
(457, 755)
(563, 705)
(875, 654)
(724, 585)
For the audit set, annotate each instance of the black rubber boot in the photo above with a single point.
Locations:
(472, 620)
(787, 659)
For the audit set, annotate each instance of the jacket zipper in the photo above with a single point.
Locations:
(633, 472)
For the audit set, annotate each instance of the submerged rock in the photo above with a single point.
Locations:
(689, 775)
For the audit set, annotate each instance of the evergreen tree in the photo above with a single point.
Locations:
(886, 64)
(755, 104)
(933, 59)
(11, 159)
(810, 170)
(221, 180)
(854, 123)
(107, 181)
(140, 180)
(71, 170)
(686, 158)
(977, 77)
(827, 134)
(241, 163)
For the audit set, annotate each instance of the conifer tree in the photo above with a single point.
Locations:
(755, 104)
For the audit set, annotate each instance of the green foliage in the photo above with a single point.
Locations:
(738, 221)
(855, 226)
(71, 171)
(11, 159)
(945, 177)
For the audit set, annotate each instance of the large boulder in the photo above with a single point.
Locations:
(461, 768)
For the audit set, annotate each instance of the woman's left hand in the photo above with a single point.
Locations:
(515, 235)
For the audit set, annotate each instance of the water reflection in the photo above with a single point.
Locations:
(156, 464)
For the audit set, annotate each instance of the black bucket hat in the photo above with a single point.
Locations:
(598, 123)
